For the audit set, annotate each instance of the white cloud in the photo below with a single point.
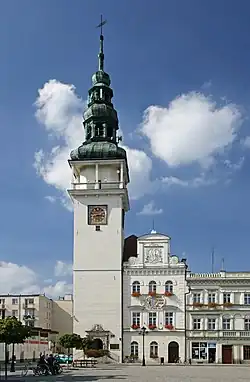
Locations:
(150, 209)
(192, 129)
(62, 269)
(51, 199)
(59, 110)
(246, 142)
(196, 182)
(59, 289)
(20, 279)
(206, 85)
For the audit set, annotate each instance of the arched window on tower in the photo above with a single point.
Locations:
(134, 349)
(153, 349)
(169, 287)
(136, 287)
(152, 287)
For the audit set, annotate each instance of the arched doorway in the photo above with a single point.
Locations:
(173, 352)
(97, 344)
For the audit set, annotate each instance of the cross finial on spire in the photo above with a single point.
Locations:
(101, 54)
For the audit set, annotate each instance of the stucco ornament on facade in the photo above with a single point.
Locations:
(153, 302)
(153, 255)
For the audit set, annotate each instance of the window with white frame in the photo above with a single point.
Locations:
(2, 301)
(169, 318)
(136, 318)
(152, 287)
(152, 318)
(153, 349)
(134, 349)
(14, 313)
(196, 297)
(247, 298)
(247, 323)
(168, 287)
(226, 298)
(211, 323)
(14, 301)
(211, 297)
(226, 323)
(136, 287)
(196, 323)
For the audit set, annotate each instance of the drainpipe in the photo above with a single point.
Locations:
(185, 318)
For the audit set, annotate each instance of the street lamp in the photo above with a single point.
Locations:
(143, 331)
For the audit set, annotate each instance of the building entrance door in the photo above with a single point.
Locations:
(227, 354)
(173, 352)
(211, 355)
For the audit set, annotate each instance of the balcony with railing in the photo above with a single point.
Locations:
(98, 185)
(219, 334)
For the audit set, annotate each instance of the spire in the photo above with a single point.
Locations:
(101, 54)
(100, 118)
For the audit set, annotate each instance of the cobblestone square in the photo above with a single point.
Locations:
(152, 373)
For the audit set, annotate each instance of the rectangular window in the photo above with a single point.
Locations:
(169, 318)
(136, 318)
(14, 313)
(14, 301)
(29, 301)
(196, 323)
(226, 324)
(247, 298)
(226, 297)
(152, 318)
(246, 351)
(211, 297)
(211, 324)
(196, 297)
(247, 323)
(2, 301)
(114, 346)
(199, 350)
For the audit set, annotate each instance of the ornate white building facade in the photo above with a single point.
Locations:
(154, 290)
(218, 317)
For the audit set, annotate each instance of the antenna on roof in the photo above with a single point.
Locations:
(153, 227)
(212, 259)
(222, 264)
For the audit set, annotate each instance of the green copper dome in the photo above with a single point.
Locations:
(101, 77)
(98, 150)
(100, 120)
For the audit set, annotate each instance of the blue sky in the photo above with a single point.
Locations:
(154, 52)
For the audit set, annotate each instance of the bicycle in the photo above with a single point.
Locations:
(37, 370)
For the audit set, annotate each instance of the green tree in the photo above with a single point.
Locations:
(12, 332)
(70, 341)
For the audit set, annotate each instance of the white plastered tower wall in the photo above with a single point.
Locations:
(97, 264)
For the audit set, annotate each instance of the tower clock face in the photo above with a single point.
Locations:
(97, 215)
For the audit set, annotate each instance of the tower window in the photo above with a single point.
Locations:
(88, 135)
(99, 131)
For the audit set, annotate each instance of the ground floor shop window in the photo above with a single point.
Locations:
(199, 350)
(204, 351)
(246, 352)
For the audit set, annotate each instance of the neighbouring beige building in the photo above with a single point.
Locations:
(49, 319)
(218, 317)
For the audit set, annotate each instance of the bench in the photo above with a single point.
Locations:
(85, 363)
